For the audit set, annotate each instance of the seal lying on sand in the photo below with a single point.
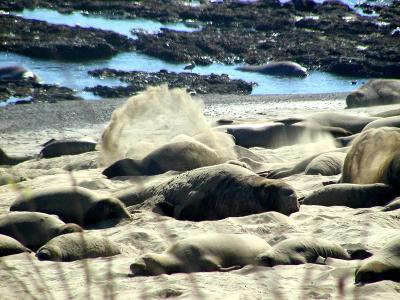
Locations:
(384, 122)
(202, 253)
(72, 204)
(275, 135)
(373, 157)
(54, 148)
(383, 265)
(297, 251)
(213, 193)
(375, 92)
(11, 160)
(34, 229)
(351, 123)
(9, 246)
(75, 246)
(326, 164)
(178, 156)
(279, 68)
(352, 195)
(13, 73)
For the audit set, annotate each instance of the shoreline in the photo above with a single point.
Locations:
(75, 114)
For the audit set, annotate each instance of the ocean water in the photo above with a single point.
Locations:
(74, 75)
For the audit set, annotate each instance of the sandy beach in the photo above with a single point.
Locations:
(23, 128)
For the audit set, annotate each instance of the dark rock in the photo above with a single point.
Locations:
(40, 39)
(138, 81)
(36, 91)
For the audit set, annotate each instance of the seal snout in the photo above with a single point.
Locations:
(44, 254)
(285, 199)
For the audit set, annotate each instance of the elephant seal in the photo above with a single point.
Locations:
(384, 122)
(72, 204)
(54, 148)
(12, 160)
(76, 246)
(177, 156)
(373, 157)
(213, 193)
(10, 246)
(202, 253)
(14, 73)
(349, 122)
(275, 135)
(375, 92)
(352, 195)
(33, 229)
(383, 265)
(279, 68)
(326, 163)
(297, 251)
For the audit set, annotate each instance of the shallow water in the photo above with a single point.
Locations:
(74, 75)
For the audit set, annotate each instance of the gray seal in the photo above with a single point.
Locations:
(202, 253)
(14, 73)
(349, 122)
(383, 265)
(326, 164)
(76, 246)
(213, 193)
(55, 148)
(8, 160)
(33, 229)
(178, 156)
(374, 157)
(275, 135)
(384, 122)
(10, 246)
(297, 251)
(352, 195)
(279, 68)
(72, 204)
(375, 92)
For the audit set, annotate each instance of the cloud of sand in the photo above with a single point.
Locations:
(156, 117)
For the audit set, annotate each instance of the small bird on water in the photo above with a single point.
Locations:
(190, 66)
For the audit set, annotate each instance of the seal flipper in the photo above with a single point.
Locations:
(228, 269)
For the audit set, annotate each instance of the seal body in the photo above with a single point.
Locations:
(177, 156)
(279, 68)
(349, 122)
(213, 193)
(72, 204)
(297, 251)
(13, 73)
(275, 135)
(33, 229)
(384, 122)
(202, 253)
(75, 246)
(9, 246)
(56, 148)
(383, 265)
(374, 157)
(375, 92)
(352, 195)
(11, 160)
(326, 164)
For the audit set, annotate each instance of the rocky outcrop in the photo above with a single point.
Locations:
(139, 81)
